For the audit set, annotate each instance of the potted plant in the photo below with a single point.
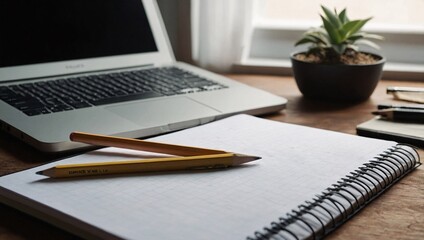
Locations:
(333, 68)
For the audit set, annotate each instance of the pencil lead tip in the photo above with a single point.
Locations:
(241, 158)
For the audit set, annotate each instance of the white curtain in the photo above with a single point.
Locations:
(219, 32)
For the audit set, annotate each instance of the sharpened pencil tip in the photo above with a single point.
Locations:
(241, 158)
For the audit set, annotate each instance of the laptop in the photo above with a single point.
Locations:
(104, 67)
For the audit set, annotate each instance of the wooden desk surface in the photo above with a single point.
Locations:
(397, 214)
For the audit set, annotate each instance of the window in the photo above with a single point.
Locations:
(278, 24)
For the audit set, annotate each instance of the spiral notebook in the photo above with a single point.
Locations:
(308, 182)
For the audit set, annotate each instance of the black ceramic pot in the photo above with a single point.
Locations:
(338, 82)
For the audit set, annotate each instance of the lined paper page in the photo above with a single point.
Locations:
(297, 163)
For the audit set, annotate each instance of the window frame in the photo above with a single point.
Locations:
(269, 44)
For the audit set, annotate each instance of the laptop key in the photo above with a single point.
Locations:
(60, 108)
(38, 111)
(79, 104)
(28, 105)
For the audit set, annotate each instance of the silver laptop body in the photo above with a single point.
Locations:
(28, 59)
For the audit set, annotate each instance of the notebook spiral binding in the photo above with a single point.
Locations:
(326, 212)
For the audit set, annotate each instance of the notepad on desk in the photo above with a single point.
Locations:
(298, 164)
(405, 132)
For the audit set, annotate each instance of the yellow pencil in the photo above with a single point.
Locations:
(136, 144)
(148, 165)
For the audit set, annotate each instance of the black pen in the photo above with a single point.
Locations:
(401, 114)
(408, 106)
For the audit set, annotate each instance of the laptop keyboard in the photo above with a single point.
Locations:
(66, 94)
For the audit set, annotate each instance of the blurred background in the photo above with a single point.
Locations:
(257, 36)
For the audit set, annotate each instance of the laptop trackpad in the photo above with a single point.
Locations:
(162, 112)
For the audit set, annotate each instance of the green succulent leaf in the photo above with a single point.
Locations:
(356, 37)
(331, 17)
(353, 27)
(332, 31)
(362, 35)
(343, 17)
(315, 37)
(372, 36)
(368, 43)
(337, 33)
(320, 37)
(340, 48)
(304, 40)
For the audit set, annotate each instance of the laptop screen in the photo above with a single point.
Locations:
(56, 30)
